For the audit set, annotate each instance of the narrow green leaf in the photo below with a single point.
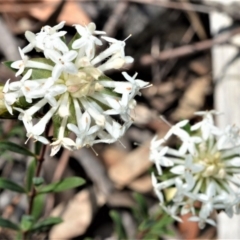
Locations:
(26, 222)
(8, 224)
(41, 73)
(43, 60)
(46, 224)
(62, 185)
(118, 225)
(30, 174)
(140, 210)
(38, 205)
(5, 145)
(7, 184)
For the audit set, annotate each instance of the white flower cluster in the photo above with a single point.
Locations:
(68, 86)
(202, 176)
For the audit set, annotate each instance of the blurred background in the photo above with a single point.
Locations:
(186, 49)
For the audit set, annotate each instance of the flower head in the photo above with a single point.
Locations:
(203, 169)
(68, 85)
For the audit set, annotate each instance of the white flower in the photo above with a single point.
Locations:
(188, 170)
(206, 125)
(47, 38)
(87, 40)
(63, 62)
(189, 144)
(119, 107)
(183, 190)
(177, 130)
(172, 211)
(48, 91)
(61, 140)
(136, 85)
(20, 64)
(24, 86)
(83, 130)
(202, 219)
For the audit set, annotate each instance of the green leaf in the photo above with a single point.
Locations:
(16, 131)
(38, 181)
(38, 73)
(118, 225)
(62, 185)
(146, 224)
(43, 60)
(8, 224)
(19, 236)
(46, 224)
(8, 64)
(7, 184)
(38, 205)
(141, 209)
(30, 174)
(26, 222)
(75, 37)
(5, 145)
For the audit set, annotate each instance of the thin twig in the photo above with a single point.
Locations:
(189, 49)
(115, 19)
(195, 21)
(62, 165)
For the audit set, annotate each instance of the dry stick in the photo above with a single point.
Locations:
(195, 21)
(189, 49)
(115, 19)
(187, 37)
(62, 165)
(18, 7)
(178, 6)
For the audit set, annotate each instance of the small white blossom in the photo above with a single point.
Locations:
(87, 40)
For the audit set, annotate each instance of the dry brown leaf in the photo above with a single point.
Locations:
(133, 165)
(142, 114)
(112, 155)
(71, 13)
(201, 66)
(120, 199)
(193, 98)
(77, 216)
(142, 184)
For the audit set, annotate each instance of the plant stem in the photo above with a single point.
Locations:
(40, 159)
